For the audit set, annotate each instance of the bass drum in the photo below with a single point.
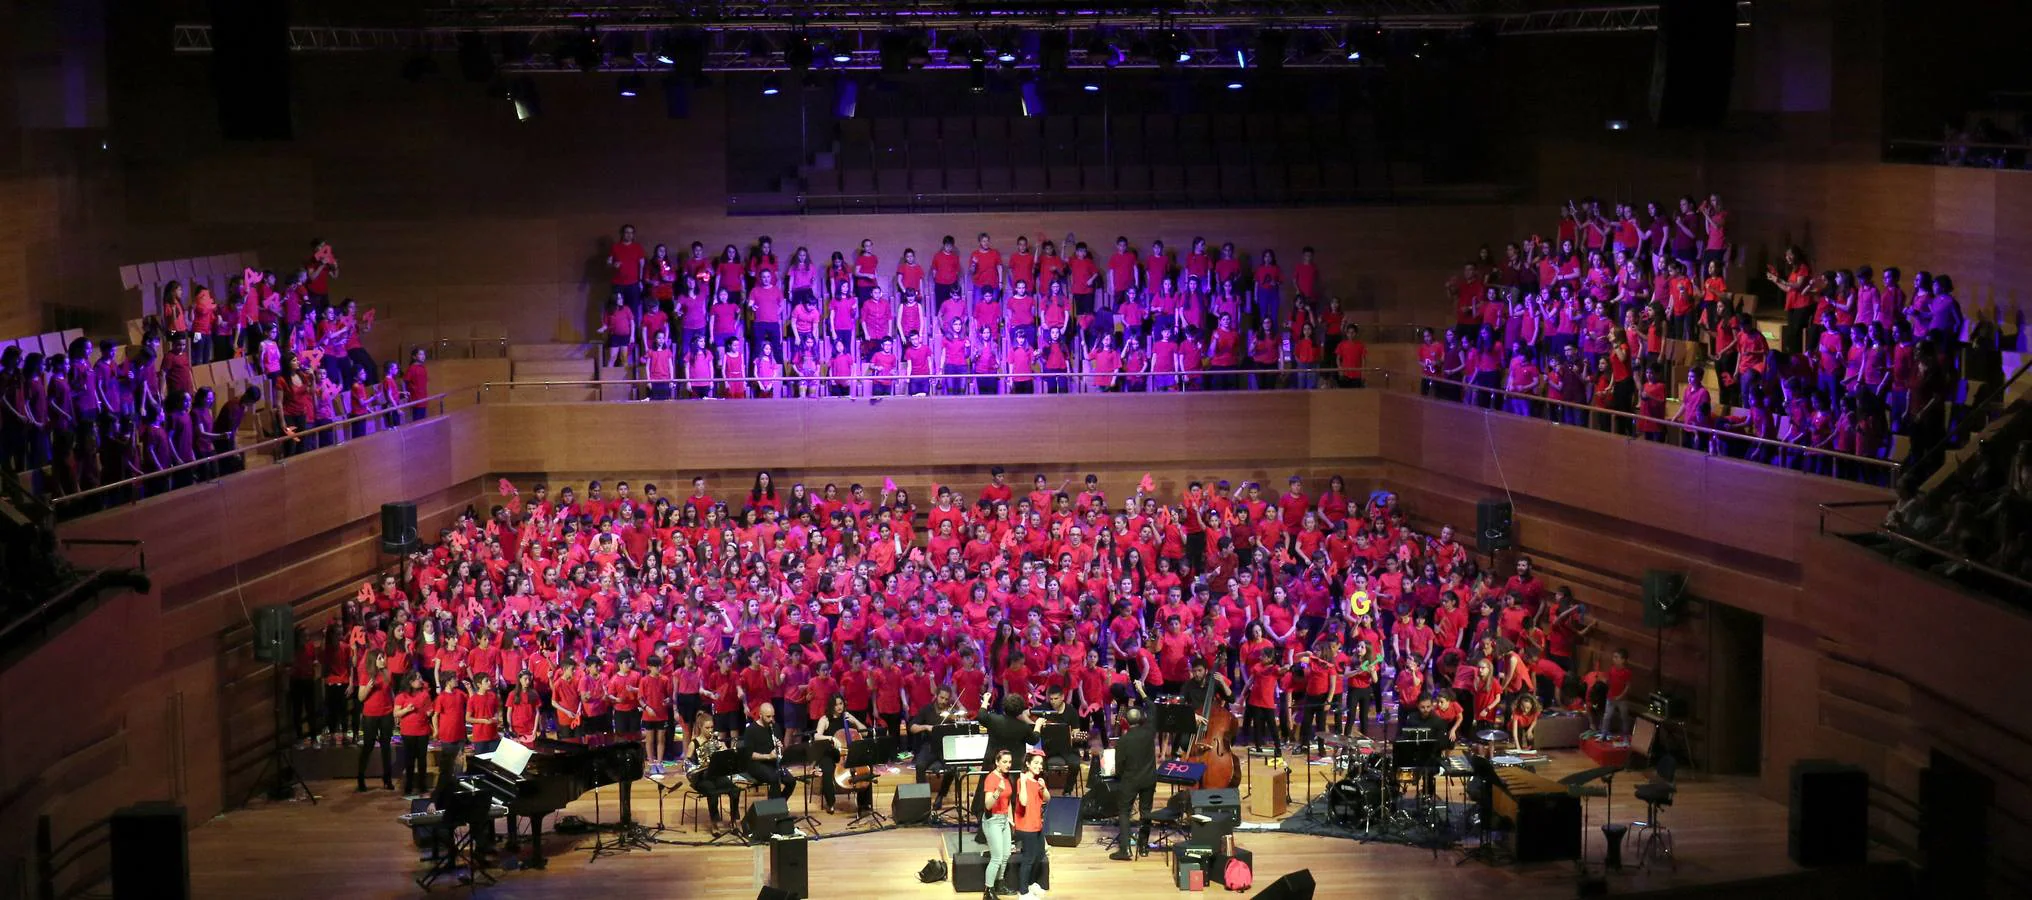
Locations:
(1355, 802)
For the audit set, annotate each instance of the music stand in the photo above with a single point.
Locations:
(1485, 849)
(809, 751)
(721, 768)
(964, 754)
(865, 753)
(1576, 784)
(1174, 719)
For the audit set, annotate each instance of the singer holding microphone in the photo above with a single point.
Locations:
(1031, 795)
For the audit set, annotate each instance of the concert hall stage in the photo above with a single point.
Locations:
(351, 845)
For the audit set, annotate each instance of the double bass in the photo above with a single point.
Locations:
(1213, 743)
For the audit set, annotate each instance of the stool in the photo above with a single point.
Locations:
(1654, 840)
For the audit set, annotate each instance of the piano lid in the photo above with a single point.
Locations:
(511, 757)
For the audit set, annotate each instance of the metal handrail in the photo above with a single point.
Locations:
(241, 452)
(1892, 465)
(1077, 375)
(1877, 528)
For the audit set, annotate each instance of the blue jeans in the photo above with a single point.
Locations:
(996, 830)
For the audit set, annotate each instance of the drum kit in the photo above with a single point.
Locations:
(1394, 787)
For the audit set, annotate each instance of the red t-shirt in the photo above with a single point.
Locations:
(451, 716)
(415, 722)
(945, 267)
(485, 705)
(627, 262)
(987, 266)
(1029, 805)
(1003, 787)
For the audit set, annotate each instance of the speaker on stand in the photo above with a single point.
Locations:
(398, 528)
(1495, 527)
(275, 643)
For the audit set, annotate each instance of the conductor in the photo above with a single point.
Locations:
(1136, 779)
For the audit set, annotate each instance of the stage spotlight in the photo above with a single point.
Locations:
(1234, 84)
(1091, 87)
(1007, 54)
(843, 49)
(1618, 124)
(798, 53)
(1361, 42)
(1052, 49)
(522, 93)
(585, 50)
(1270, 46)
(662, 48)
(894, 50)
(771, 85)
(630, 85)
(1032, 98)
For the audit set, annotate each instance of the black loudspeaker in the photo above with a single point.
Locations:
(250, 69)
(1664, 597)
(1494, 529)
(766, 817)
(1954, 827)
(151, 852)
(1218, 804)
(1295, 886)
(1062, 821)
(790, 867)
(770, 893)
(969, 866)
(1830, 815)
(911, 805)
(1694, 62)
(275, 633)
(1040, 875)
(398, 527)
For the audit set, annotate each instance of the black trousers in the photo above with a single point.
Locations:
(302, 708)
(377, 731)
(415, 763)
(777, 778)
(1133, 802)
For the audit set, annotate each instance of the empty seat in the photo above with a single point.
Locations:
(1271, 183)
(1260, 126)
(921, 128)
(1030, 179)
(1090, 128)
(1167, 178)
(892, 181)
(1194, 128)
(1063, 178)
(887, 131)
(1099, 179)
(852, 130)
(857, 181)
(822, 181)
(956, 127)
(991, 128)
(1338, 175)
(1133, 178)
(927, 181)
(962, 181)
(1237, 183)
(1232, 154)
(997, 178)
(1305, 180)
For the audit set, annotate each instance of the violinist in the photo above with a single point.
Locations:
(1059, 711)
(941, 710)
(843, 728)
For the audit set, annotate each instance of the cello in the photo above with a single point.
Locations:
(1213, 743)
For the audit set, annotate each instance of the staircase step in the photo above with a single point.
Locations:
(552, 370)
(532, 352)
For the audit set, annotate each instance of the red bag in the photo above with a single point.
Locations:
(1237, 877)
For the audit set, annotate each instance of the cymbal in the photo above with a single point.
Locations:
(1492, 735)
(1336, 741)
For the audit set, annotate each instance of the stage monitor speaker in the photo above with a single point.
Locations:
(1954, 827)
(790, 867)
(1693, 63)
(911, 805)
(1218, 804)
(1040, 876)
(1664, 598)
(250, 69)
(1830, 814)
(1062, 823)
(398, 527)
(1294, 886)
(150, 852)
(1494, 528)
(275, 633)
(767, 817)
(1100, 800)
(969, 866)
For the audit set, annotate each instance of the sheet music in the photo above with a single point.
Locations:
(512, 756)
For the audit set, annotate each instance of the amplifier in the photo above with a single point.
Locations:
(1665, 705)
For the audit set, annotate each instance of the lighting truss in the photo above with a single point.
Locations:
(752, 35)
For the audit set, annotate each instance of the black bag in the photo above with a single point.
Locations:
(933, 872)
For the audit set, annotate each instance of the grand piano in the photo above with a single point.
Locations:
(552, 773)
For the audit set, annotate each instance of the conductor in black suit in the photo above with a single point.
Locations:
(765, 755)
(1136, 779)
(1011, 730)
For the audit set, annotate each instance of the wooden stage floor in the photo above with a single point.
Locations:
(350, 845)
